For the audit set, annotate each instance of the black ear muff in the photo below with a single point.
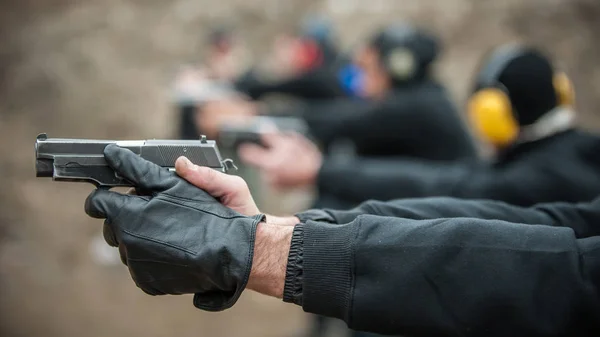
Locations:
(396, 54)
(401, 63)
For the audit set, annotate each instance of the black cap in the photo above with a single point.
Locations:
(526, 74)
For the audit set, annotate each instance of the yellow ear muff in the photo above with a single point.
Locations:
(490, 112)
(564, 89)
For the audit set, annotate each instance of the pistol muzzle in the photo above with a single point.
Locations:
(43, 167)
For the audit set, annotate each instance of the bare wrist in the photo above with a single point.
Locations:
(282, 221)
(271, 250)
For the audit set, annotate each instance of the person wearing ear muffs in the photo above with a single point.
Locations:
(522, 106)
(405, 111)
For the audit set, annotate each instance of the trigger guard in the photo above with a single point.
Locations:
(228, 164)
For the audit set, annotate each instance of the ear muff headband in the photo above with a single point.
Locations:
(489, 75)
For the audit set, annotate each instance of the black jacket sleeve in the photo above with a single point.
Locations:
(387, 179)
(580, 217)
(418, 121)
(316, 84)
(367, 125)
(452, 277)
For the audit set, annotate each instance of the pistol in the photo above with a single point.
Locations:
(82, 160)
(233, 135)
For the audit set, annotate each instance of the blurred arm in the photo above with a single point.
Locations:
(519, 184)
(388, 179)
(316, 84)
(579, 217)
(366, 124)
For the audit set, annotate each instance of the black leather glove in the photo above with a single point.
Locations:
(175, 239)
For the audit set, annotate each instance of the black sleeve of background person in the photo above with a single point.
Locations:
(420, 122)
(579, 216)
(187, 123)
(520, 183)
(366, 124)
(317, 84)
(452, 277)
(388, 179)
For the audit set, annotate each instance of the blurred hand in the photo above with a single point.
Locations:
(231, 191)
(289, 160)
(213, 115)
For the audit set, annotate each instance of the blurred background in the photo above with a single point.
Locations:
(105, 69)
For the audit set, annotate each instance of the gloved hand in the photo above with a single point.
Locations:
(175, 238)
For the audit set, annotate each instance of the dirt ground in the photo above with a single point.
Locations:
(100, 69)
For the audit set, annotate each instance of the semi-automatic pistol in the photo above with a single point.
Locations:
(82, 160)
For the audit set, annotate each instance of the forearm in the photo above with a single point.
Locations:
(449, 277)
(388, 179)
(553, 214)
(583, 217)
(311, 85)
(440, 277)
(271, 251)
(336, 119)
(282, 220)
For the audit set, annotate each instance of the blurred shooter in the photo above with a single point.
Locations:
(521, 105)
(404, 111)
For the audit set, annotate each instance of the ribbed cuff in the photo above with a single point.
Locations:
(328, 268)
(292, 290)
(315, 215)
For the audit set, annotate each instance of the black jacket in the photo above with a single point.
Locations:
(564, 167)
(445, 267)
(318, 84)
(417, 120)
